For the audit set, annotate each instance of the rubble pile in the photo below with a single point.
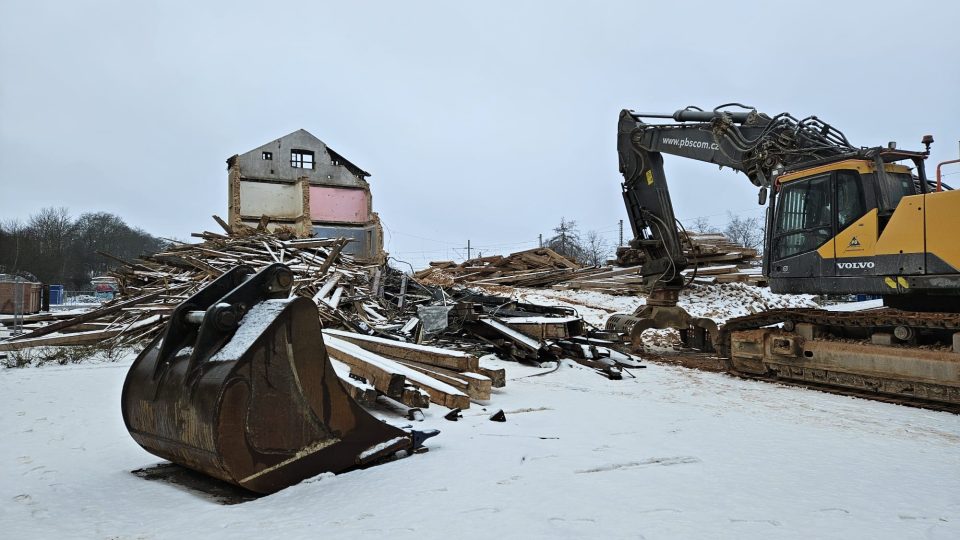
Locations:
(153, 285)
(539, 267)
(712, 258)
(387, 334)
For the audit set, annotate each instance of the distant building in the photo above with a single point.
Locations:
(20, 296)
(300, 182)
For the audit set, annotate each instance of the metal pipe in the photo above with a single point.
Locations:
(650, 115)
(942, 163)
(688, 115)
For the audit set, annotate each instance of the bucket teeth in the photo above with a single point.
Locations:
(246, 393)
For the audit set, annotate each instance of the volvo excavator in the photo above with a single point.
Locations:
(840, 219)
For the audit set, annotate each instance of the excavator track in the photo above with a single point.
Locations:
(839, 353)
(873, 319)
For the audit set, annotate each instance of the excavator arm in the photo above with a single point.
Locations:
(743, 140)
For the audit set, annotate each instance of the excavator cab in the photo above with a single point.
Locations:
(867, 224)
(240, 387)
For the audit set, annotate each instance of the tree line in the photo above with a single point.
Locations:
(55, 248)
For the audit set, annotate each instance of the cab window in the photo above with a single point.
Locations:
(850, 204)
(805, 219)
(896, 186)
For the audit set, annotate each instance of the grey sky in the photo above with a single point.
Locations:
(487, 120)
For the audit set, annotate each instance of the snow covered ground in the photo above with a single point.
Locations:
(718, 302)
(671, 453)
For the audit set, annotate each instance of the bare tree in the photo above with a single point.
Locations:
(12, 240)
(745, 231)
(567, 240)
(52, 229)
(596, 249)
(57, 249)
(701, 225)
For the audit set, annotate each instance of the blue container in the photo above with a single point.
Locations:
(56, 294)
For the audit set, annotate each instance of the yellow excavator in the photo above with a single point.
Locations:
(840, 219)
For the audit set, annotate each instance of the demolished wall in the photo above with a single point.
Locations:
(297, 181)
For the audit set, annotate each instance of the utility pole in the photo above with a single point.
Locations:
(621, 234)
(468, 250)
(563, 236)
(541, 239)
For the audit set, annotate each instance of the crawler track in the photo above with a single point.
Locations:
(928, 327)
(710, 362)
(867, 321)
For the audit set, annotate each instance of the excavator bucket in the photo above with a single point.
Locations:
(240, 387)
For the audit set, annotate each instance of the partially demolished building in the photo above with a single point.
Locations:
(300, 182)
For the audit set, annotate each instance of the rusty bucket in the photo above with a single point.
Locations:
(240, 387)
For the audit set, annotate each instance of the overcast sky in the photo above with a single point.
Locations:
(486, 121)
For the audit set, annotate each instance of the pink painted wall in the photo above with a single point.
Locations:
(338, 204)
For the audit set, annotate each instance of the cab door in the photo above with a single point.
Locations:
(803, 245)
(856, 228)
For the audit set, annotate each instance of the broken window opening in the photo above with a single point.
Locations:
(301, 159)
(266, 156)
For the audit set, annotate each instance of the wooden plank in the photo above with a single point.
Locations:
(415, 397)
(383, 380)
(331, 257)
(497, 376)
(434, 356)
(560, 258)
(711, 270)
(361, 392)
(473, 384)
(76, 338)
(223, 224)
(440, 392)
(38, 317)
(88, 316)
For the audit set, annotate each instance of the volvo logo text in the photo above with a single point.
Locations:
(855, 265)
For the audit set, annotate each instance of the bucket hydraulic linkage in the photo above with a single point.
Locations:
(240, 387)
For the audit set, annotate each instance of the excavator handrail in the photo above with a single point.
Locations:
(939, 177)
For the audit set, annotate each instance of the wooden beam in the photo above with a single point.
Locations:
(223, 224)
(88, 316)
(440, 393)
(415, 397)
(76, 338)
(473, 384)
(498, 377)
(433, 356)
(385, 381)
